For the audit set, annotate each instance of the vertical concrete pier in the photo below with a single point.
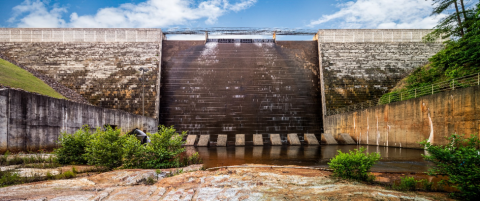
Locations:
(257, 139)
(191, 140)
(310, 139)
(275, 139)
(222, 140)
(293, 139)
(240, 140)
(203, 141)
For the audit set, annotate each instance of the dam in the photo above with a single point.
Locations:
(221, 86)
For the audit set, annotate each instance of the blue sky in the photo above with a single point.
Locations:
(304, 14)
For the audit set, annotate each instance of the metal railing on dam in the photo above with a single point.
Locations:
(449, 85)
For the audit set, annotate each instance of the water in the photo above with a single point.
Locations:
(393, 159)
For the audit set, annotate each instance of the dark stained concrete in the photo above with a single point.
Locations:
(235, 88)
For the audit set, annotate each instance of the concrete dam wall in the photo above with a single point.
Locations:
(103, 65)
(222, 86)
(29, 122)
(405, 123)
(233, 88)
(361, 65)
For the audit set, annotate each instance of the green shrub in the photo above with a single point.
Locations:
(162, 152)
(72, 147)
(354, 165)
(105, 148)
(460, 160)
(426, 185)
(406, 184)
(66, 175)
(9, 178)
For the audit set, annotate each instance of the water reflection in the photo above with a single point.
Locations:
(393, 159)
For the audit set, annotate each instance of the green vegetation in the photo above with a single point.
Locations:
(104, 148)
(161, 152)
(10, 177)
(29, 161)
(406, 184)
(108, 148)
(459, 58)
(72, 146)
(16, 77)
(354, 165)
(460, 161)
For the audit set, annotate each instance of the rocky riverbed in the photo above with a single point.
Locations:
(239, 183)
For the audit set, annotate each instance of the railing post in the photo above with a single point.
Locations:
(401, 96)
(415, 93)
(453, 84)
(432, 88)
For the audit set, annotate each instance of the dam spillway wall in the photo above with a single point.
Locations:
(232, 88)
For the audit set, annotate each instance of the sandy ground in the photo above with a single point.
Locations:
(242, 183)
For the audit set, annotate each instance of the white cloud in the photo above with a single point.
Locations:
(148, 14)
(37, 15)
(382, 14)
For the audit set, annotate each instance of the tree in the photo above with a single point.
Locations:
(460, 161)
(453, 25)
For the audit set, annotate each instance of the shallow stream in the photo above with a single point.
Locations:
(393, 159)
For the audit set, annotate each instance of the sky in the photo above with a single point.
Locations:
(294, 14)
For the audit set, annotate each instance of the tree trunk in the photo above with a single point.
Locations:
(458, 18)
(466, 22)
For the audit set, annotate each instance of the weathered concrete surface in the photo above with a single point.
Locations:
(233, 88)
(405, 123)
(221, 140)
(225, 184)
(203, 141)
(32, 122)
(328, 139)
(102, 65)
(310, 139)
(293, 139)
(257, 139)
(191, 140)
(275, 139)
(240, 140)
(346, 139)
(360, 65)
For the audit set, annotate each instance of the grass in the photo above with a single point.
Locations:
(16, 77)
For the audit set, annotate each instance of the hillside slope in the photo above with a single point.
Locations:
(16, 77)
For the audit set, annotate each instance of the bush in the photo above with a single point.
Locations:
(72, 147)
(406, 184)
(354, 165)
(105, 148)
(162, 152)
(460, 160)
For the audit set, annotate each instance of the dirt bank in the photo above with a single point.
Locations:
(223, 184)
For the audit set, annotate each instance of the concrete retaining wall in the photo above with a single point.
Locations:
(405, 123)
(31, 122)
